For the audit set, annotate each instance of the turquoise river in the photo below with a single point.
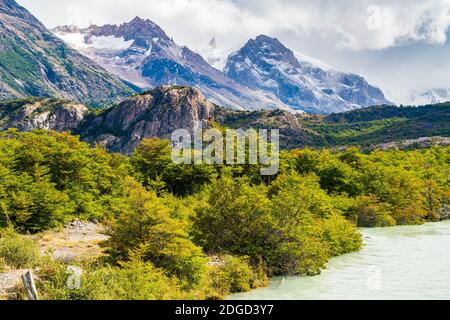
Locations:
(410, 262)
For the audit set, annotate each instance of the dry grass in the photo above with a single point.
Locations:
(73, 244)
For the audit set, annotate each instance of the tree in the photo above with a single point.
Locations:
(235, 219)
(144, 223)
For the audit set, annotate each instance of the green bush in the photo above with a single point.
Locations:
(341, 235)
(143, 223)
(48, 178)
(235, 219)
(234, 275)
(2, 264)
(133, 280)
(289, 227)
(17, 251)
(370, 212)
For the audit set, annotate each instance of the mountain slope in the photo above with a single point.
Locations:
(157, 113)
(33, 62)
(42, 113)
(266, 64)
(141, 52)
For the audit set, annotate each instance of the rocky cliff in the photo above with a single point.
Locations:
(264, 63)
(156, 113)
(41, 113)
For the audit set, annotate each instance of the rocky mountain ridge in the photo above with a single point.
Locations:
(264, 63)
(141, 53)
(263, 74)
(33, 62)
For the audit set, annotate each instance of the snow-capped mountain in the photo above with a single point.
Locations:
(263, 74)
(141, 53)
(301, 82)
(430, 96)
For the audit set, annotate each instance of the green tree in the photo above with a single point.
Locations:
(144, 223)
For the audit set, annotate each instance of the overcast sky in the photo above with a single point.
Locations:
(396, 45)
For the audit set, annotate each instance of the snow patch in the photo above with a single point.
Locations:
(314, 62)
(110, 43)
(77, 41)
(430, 96)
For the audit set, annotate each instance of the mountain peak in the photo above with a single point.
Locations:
(266, 48)
(138, 19)
(212, 43)
(269, 41)
(263, 37)
(140, 29)
(264, 63)
(141, 23)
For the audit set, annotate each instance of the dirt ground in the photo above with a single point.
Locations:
(77, 241)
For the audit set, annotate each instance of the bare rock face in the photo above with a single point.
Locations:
(48, 114)
(157, 113)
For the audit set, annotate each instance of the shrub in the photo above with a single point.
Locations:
(235, 219)
(153, 165)
(285, 232)
(310, 227)
(2, 264)
(144, 223)
(341, 235)
(234, 275)
(370, 212)
(48, 178)
(18, 251)
(133, 280)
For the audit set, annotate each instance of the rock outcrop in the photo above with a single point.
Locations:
(40, 113)
(156, 113)
(159, 112)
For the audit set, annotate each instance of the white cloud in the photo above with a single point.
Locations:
(379, 39)
(349, 21)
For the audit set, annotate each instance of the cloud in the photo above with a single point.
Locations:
(397, 45)
(354, 24)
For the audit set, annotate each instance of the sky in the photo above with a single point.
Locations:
(397, 45)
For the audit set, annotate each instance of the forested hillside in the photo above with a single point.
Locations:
(373, 125)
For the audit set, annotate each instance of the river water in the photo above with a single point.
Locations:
(410, 262)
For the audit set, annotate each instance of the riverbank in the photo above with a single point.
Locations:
(404, 262)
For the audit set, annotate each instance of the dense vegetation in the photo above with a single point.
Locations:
(381, 124)
(201, 232)
(364, 127)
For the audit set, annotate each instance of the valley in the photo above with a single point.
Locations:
(96, 206)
